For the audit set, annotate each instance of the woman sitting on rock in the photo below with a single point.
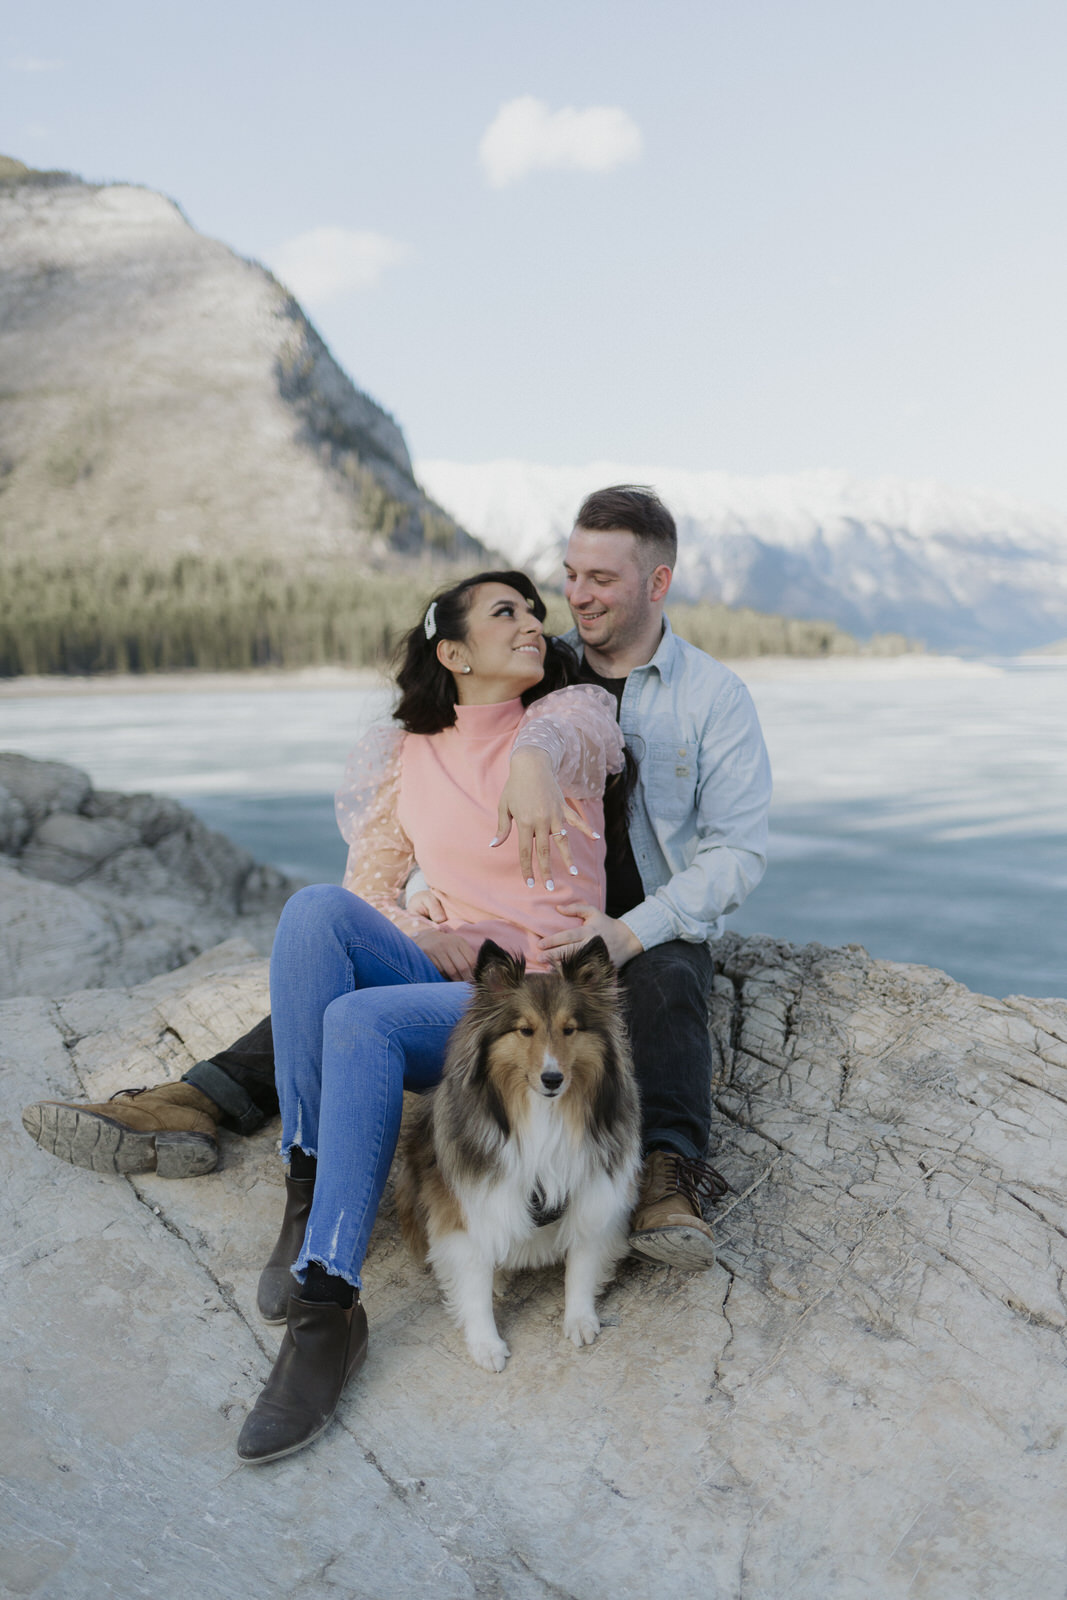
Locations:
(364, 993)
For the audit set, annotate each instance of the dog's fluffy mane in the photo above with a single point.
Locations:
(469, 1108)
(464, 1127)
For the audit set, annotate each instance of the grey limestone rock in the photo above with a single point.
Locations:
(866, 1396)
(66, 849)
(15, 825)
(41, 787)
(152, 815)
(102, 888)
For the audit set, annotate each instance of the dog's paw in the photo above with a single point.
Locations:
(582, 1328)
(489, 1353)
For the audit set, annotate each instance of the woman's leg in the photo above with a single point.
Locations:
(376, 1044)
(329, 943)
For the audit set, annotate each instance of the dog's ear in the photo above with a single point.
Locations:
(590, 966)
(496, 969)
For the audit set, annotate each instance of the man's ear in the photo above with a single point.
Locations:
(659, 582)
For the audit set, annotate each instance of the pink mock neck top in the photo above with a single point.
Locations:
(436, 803)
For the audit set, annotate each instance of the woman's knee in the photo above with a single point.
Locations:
(351, 1016)
(317, 908)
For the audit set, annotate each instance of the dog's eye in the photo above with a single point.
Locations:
(570, 1027)
(525, 1029)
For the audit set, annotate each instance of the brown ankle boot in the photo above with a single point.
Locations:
(668, 1224)
(169, 1129)
(324, 1345)
(276, 1282)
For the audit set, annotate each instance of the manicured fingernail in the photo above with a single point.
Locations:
(574, 872)
(529, 883)
(549, 884)
(492, 842)
(596, 836)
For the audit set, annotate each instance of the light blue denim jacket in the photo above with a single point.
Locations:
(698, 819)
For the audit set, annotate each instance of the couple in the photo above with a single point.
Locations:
(364, 993)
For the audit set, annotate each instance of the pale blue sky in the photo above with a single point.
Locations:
(843, 244)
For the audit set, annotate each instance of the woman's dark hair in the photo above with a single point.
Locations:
(428, 690)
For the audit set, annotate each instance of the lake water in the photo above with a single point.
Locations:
(920, 806)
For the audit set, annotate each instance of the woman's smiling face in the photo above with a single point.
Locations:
(504, 647)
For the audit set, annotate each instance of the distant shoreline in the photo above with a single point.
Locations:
(261, 679)
(752, 669)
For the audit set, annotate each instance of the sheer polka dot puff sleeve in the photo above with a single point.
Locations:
(380, 854)
(576, 727)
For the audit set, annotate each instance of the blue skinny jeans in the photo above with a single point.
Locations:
(359, 1015)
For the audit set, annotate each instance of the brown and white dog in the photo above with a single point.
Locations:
(528, 1151)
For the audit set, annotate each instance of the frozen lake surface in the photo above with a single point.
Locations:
(920, 805)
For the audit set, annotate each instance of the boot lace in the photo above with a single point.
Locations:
(697, 1180)
(128, 1094)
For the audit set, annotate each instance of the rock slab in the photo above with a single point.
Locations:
(98, 887)
(865, 1398)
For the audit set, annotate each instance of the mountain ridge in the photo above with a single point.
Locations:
(962, 570)
(161, 392)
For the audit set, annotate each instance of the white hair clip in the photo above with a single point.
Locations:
(429, 621)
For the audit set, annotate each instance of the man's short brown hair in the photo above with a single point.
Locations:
(640, 511)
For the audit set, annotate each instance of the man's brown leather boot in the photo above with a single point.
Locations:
(169, 1129)
(668, 1224)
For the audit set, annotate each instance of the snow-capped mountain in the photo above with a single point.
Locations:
(962, 571)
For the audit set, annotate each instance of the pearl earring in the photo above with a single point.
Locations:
(465, 669)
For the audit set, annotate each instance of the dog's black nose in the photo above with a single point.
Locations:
(551, 1079)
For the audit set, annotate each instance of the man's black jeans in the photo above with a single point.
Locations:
(665, 991)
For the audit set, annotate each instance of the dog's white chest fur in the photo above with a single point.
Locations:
(543, 1160)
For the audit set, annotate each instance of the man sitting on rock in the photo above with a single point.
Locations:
(694, 848)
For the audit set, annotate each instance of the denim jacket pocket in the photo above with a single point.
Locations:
(671, 779)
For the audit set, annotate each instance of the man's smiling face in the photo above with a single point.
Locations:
(607, 588)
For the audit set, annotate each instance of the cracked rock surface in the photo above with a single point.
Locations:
(866, 1397)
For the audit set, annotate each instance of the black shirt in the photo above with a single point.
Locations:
(624, 887)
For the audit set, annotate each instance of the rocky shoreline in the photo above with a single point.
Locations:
(864, 1397)
(102, 888)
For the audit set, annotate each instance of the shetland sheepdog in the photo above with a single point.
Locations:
(528, 1150)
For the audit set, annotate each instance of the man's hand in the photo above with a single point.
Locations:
(623, 944)
(450, 953)
(533, 799)
(424, 903)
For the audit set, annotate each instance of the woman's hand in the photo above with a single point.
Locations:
(424, 903)
(534, 801)
(450, 953)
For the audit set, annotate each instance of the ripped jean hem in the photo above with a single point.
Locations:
(297, 1144)
(299, 1271)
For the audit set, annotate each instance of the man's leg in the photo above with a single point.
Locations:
(240, 1080)
(171, 1127)
(666, 991)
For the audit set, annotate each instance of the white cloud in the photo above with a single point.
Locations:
(330, 262)
(525, 136)
(35, 64)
